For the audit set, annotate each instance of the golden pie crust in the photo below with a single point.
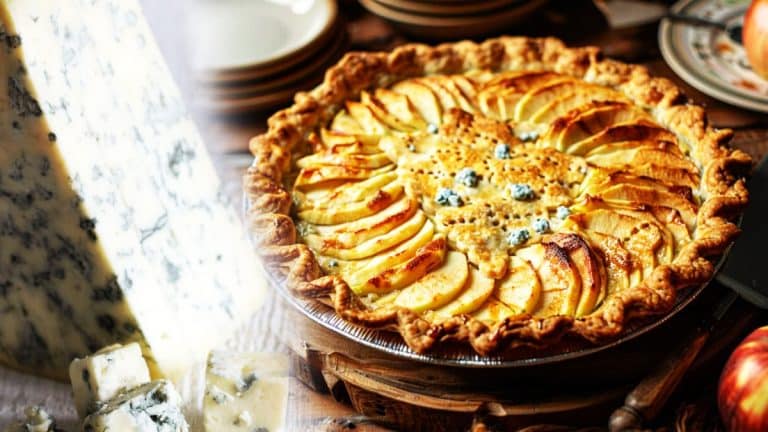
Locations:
(709, 177)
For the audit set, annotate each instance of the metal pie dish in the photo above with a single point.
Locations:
(504, 338)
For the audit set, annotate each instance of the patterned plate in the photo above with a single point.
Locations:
(708, 59)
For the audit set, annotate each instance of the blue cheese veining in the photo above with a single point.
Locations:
(98, 378)
(245, 392)
(152, 407)
(112, 225)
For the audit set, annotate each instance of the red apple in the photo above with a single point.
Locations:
(755, 36)
(742, 392)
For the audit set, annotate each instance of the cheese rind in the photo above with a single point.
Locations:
(245, 392)
(152, 407)
(112, 224)
(101, 376)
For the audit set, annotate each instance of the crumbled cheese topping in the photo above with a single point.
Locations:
(448, 197)
(521, 191)
(518, 237)
(467, 177)
(540, 225)
(502, 151)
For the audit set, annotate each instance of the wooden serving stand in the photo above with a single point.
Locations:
(412, 396)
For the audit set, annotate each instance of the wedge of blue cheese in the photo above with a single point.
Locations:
(112, 224)
(152, 407)
(100, 377)
(245, 392)
(36, 420)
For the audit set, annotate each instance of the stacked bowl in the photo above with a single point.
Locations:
(452, 19)
(254, 55)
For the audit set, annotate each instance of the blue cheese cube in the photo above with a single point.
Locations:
(518, 236)
(114, 227)
(521, 192)
(540, 225)
(36, 420)
(502, 151)
(100, 377)
(152, 407)
(467, 177)
(245, 392)
(448, 197)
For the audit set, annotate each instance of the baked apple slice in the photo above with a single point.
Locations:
(423, 99)
(343, 143)
(621, 269)
(371, 246)
(349, 234)
(438, 287)
(540, 96)
(636, 129)
(639, 155)
(590, 270)
(520, 288)
(580, 96)
(448, 84)
(344, 123)
(476, 291)
(382, 112)
(367, 161)
(560, 281)
(641, 239)
(360, 271)
(505, 90)
(634, 194)
(444, 97)
(315, 176)
(342, 194)
(494, 311)
(427, 258)
(400, 107)
(566, 132)
(331, 215)
(369, 123)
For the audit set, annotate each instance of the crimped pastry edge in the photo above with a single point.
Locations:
(723, 190)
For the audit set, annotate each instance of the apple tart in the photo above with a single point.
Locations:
(503, 194)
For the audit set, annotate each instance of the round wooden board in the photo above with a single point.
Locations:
(413, 396)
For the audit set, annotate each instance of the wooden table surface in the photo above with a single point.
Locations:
(227, 139)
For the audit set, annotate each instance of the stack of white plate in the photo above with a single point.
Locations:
(453, 19)
(254, 55)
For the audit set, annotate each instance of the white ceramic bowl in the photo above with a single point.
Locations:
(241, 34)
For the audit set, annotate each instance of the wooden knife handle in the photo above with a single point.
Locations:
(645, 401)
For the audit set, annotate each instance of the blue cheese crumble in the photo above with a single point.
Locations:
(448, 197)
(467, 177)
(518, 237)
(540, 225)
(521, 191)
(502, 151)
(563, 212)
(432, 128)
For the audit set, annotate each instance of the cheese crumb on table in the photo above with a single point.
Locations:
(246, 392)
